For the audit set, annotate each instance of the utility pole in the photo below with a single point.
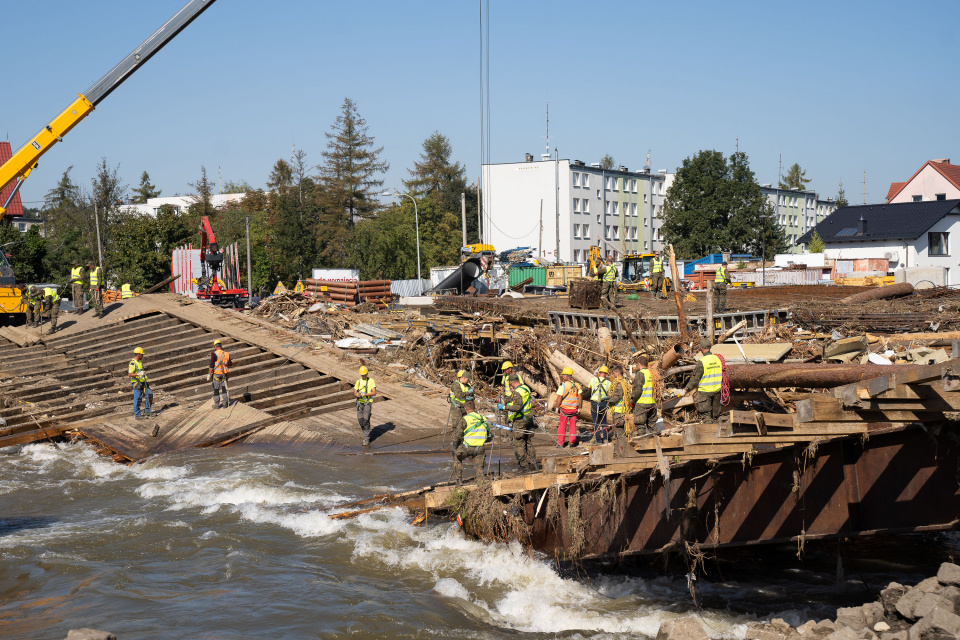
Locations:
(249, 265)
(463, 216)
(556, 257)
(864, 187)
(479, 213)
(96, 219)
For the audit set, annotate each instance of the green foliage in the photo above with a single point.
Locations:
(842, 197)
(146, 190)
(796, 178)
(27, 251)
(237, 187)
(140, 253)
(715, 205)
(816, 243)
(349, 177)
(607, 162)
(202, 199)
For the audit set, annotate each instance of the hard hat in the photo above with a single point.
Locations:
(506, 365)
(705, 343)
(216, 342)
(363, 371)
(461, 373)
(567, 371)
(603, 369)
(138, 350)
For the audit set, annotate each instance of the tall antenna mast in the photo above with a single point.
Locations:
(780, 171)
(548, 130)
(864, 187)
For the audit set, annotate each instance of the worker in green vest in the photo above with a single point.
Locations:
(608, 279)
(51, 305)
(77, 276)
(96, 289)
(656, 276)
(708, 379)
(471, 430)
(618, 404)
(460, 393)
(34, 305)
(644, 399)
(720, 283)
(520, 413)
(141, 385)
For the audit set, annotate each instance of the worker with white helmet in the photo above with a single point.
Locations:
(141, 385)
(217, 373)
(569, 400)
(364, 390)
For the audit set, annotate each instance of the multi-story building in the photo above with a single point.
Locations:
(797, 211)
(563, 207)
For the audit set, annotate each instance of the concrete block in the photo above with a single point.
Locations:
(949, 574)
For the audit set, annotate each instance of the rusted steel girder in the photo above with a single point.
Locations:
(880, 293)
(897, 481)
(810, 375)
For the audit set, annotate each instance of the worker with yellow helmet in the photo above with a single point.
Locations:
(217, 373)
(460, 393)
(141, 385)
(569, 401)
(599, 392)
(364, 390)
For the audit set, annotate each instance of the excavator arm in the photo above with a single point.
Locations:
(26, 158)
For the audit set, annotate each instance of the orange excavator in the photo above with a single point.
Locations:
(209, 286)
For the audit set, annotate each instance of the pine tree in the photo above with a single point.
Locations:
(817, 244)
(796, 178)
(295, 212)
(201, 202)
(146, 190)
(841, 197)
(350, 179)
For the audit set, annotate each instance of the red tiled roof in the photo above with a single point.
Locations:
(16, 206)
(949, 171)
(895, 189)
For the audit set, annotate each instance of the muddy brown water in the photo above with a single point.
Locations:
(235, 543)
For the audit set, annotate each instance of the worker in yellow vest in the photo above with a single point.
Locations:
(708, 379)
(77, 276)
(656, 276)
(644, 399)
(608, 278)
(96, 289)
(618, 404)
(472, 431)
(460, 393)
(599, 392)
(51, 305)
(720, 283)
(217, 373)
(126, 291)
(569, 401)
(364, 390)
(34, 305)
(520, 413)
(141, 385)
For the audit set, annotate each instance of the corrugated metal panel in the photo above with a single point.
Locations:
(408, 287)
(438, 274)
(792, 276)
(519, 274)
(561, 275)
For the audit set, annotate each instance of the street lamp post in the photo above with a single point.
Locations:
(416, 218)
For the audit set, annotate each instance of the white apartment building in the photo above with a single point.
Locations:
(180, 204)
(554, 202)
(797, 211)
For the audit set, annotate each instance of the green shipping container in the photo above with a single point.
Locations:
(519, 274)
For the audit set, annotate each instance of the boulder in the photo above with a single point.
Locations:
(843, 633)
(89, 634)
(890, 596)
(952, 595)
(939, 624)
(949, 574)
(775, 630)
(929, 602)
(895, 635)
(806, 627)
(851, 617)
(909, 602)
(930, 585)
(872, 614)
(682, 629)
(881, 626)
(867, 634)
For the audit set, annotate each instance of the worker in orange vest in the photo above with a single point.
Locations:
(218, 371)
(569, 401)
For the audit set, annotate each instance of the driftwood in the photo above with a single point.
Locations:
(726, 334)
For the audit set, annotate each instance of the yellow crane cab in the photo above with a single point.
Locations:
(638, 271)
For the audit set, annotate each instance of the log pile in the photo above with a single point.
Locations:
(350, 293)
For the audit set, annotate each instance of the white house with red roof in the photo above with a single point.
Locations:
(936, 180)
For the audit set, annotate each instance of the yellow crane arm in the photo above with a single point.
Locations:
(24, 160)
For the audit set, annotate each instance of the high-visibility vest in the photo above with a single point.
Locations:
(467, 394)
(570, 399)
(646, 396)
(712, 374)
(610, 275)
(621, 407)
(222, 367)
(54, 297)
(366, 384)
(527, 407)
(138, 369)
(507, 391)
(599, 388)
(722, 276)
(95, 277)
(126, 292)
(657, 266)
(32, 298)
(475, 435)
(75, 275)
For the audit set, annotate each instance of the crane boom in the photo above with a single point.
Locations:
(26, 158)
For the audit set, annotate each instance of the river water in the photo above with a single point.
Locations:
(236, 543)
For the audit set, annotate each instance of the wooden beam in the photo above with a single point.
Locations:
(811, 412)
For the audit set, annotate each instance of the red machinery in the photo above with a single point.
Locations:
(211, 260)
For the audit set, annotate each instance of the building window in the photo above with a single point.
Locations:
(576, 178)
(22, 226)
(644, 221)
(633, 233)
(615, 207)
(586, 232)
(606, 232)
(917, 198)
(584, 180)
(607, 185)
(644, 198)
(941, 196)
(616, 232)
(937, 241)
(576, 231)
(576, 203)
(616, 184)
(633, 209)
(645, 244)
(586, 205)
(634, 185)
(576, 255)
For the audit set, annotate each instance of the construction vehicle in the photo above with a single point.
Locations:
(25, 160)
(209, 286)
(638, 271)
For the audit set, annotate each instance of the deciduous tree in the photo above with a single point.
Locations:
(796, 178)
(607, 162)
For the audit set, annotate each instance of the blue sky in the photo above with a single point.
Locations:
(840, 87)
